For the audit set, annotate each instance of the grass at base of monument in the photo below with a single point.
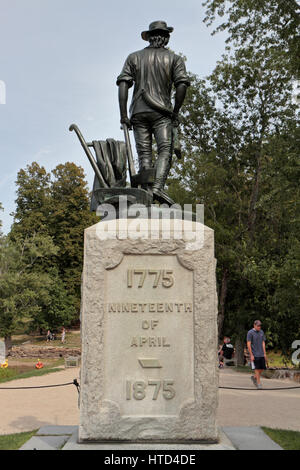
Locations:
(288, 440)
(15, 441)
(7, 375)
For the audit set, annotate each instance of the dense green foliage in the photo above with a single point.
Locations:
(52, 208)
(70, 215)
(241, 140)
(271, 26)
(24, 283)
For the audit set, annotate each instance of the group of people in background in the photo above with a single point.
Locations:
(254, 354)
(51, 336)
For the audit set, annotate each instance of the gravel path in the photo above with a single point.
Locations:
(25, 410)
(275, 409)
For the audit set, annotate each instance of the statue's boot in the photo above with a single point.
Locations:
(145, 163)
(162, 170)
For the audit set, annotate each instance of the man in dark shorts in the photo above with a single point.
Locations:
(256, 343)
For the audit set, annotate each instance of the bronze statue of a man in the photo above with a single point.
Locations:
(153, 71)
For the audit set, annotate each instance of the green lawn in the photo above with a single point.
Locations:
(72, 340)
(15, 441)
(288, 440)
(276, 359)
(9, 374)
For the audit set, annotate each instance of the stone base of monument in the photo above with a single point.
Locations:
(230, 438)
(223, 444)
(149, 334)
(66, 438)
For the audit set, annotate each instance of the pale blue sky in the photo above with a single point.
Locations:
(59, 60)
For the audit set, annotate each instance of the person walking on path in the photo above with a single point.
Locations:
(256, 343)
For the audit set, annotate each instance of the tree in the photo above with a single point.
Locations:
(281, 229)
(214, 173)
(56, 205)
(68, 219)
(33, 203)
(56, 307)
(253, 84)
(23, 284)
(1, 209)
(232, 125)
(270, 26)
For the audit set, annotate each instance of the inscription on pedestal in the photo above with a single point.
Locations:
(149, 335)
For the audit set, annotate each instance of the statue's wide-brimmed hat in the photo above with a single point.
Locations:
(156, 26)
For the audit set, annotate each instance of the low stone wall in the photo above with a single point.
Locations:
(296, 377)
(47, 351)
(282, 374)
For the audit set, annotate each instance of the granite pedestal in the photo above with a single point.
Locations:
(149, 333)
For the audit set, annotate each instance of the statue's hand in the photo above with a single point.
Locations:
(125, 120)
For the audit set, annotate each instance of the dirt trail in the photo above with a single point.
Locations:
(275, 409)
(25, 410)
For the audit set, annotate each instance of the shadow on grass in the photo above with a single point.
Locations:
(7, 375)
